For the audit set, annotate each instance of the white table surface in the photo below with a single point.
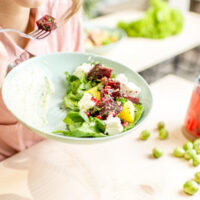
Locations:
(140, 53)
(121, 169)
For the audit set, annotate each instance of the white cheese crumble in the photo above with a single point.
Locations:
(86, 103)
(29, 93)
(84, 68)
(113, 125)
(128, 88)
(121, 78)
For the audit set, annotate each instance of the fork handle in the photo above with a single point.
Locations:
(16, 31)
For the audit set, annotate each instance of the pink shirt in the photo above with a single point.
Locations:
(14, 137)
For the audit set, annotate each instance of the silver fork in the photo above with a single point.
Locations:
(38, 34)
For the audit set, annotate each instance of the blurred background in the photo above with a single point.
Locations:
(186, 65)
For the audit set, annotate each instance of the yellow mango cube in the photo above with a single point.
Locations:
(128, 112)
(94, 92)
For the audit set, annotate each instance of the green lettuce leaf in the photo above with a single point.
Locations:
(75, 117)
(139, 109)
(87, 129)
(159, 21)
(76, 89)
(79, 125)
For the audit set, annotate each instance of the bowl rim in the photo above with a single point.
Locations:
(70, 138)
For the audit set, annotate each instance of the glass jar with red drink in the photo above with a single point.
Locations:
(192, 120)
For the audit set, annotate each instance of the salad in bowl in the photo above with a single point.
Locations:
(100, 103)
(100, 39)
(77, 97)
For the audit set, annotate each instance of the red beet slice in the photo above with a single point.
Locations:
(98, 72)
(112, 93)
(106, 107)
(135, 100)
(112, 89)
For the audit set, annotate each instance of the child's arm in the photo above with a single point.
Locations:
(14, 136)
(3, 63)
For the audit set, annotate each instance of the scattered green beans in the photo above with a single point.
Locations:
(197, 177)
(160, 125)
(190, 187)
(157, 152)
(179, 152)
(197, 146)
(163, 134)
(190, 154)
(188, 145)
(196, 161)
(144, 135)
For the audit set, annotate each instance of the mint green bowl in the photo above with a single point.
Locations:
(55, 65)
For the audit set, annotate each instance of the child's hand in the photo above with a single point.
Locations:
(3, 63)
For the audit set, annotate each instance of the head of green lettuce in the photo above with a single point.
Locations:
(159, 21)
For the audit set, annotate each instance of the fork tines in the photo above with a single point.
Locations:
(39, 34)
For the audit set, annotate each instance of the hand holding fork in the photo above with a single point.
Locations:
(45, 27)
